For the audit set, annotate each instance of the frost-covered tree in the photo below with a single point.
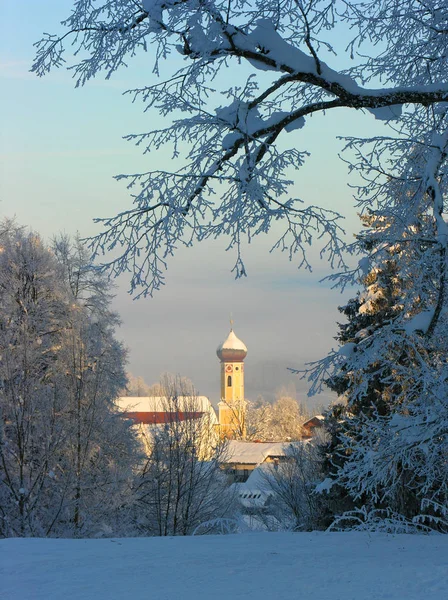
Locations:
(33, 317)
(388, 444)
(280, 421)
(65, 455)
(379, 301)
(232, 172)
(181, 484)
(137, 386)
(293, 481)
(101, 447)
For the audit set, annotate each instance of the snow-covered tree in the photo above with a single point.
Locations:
(33, 317)
(181, 485)
(137, 386)
(280, 421)
(232, 175)
(66, 457)
(293, 484)
(101, 447)
(388, 444)
(379, 302)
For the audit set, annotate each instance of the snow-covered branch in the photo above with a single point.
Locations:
(231, 179)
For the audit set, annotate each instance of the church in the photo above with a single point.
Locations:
(230, 421)
(243, 457)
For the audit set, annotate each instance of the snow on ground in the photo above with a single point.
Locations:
(257, 566)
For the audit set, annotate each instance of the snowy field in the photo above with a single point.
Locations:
(269, 566)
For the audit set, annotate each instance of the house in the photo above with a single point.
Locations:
(309, 426)
(243, 457)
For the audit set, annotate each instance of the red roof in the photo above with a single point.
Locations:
(156, 418)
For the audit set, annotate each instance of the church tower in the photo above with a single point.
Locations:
(232, 408)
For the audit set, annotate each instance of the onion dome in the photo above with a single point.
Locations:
(232, 349)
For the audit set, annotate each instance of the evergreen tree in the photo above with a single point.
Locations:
(378, 303)
(389, 440)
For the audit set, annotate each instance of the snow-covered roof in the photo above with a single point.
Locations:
(232, 348)
(254, 453)
(232, 343)
(315, 421)
(256, 490)
(257, 479)
(163, 404)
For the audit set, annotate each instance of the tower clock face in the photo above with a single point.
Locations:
(229, 369)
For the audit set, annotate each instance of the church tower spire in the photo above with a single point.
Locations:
(232, 408)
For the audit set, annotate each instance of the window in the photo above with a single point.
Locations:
(229, 381)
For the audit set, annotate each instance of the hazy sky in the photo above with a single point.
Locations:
(60, 148)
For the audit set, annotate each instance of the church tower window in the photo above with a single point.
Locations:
(229, 381)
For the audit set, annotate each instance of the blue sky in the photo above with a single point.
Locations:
(59, 150)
